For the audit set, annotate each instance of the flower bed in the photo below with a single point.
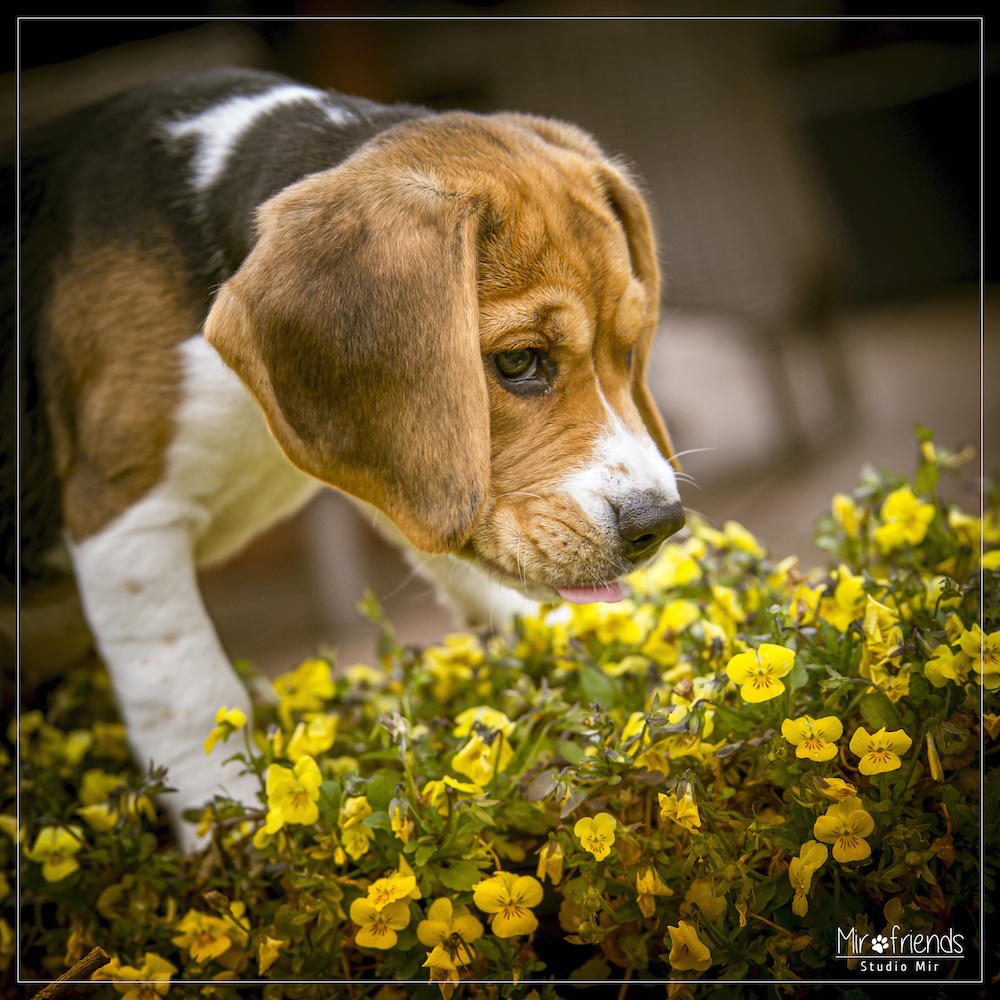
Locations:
(740, 772)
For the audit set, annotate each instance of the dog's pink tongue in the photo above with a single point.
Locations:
(609, 593)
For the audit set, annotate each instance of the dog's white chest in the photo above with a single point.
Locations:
(224, 460)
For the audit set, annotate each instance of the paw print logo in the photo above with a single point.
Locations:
(880, 943)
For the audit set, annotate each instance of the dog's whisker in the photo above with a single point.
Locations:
(692, 451)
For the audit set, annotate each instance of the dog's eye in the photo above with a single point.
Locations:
(517, 365)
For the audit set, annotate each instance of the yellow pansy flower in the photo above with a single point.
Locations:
(846, 513)
(435, 793)
(452, 663)
(305, 689)
(879, 620)
(204, 936)
(905, 520)
(312, 738)
(946, 666)
(804, 602)
(813, 738)
(991, 723)
(726, 610)
(491, 718)
(609, 622)
(846, 603)
(292, 796)
(740, 538)
(510, 898)
(97, 785)
(55, 849)
(682, 811)
(227, 721)
(597, 834)
(100, 816)
(649, 885)
(268, 952)
(687, 951)
(845, 825)
(109, 740)
(480, 760)
(812, 856)
(443, 970)
(894, 686)
(550, 861)
(444, 920)
(377, 928)
(384, 891)
(879, 751)
(662, 643)
(968, 529)
(984, 654)
(758, 672)
(154, 968)
(355, 835)
(399, 824)
(405, 869)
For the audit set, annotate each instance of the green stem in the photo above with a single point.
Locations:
(250, 757)
(848, 645)
(543, 732)
(918, 743)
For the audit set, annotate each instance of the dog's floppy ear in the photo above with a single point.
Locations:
(631, 211)
(354, 321)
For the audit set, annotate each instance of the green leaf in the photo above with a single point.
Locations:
(629, 910)
(378, 821)
(598, 687)
(329, 796)
(462, 875)
(762, 895)
(380, 791)
(573, 752)
(406, 939)
(488, 947)
(878, 712)
(596, 968)
(799, 676)
(424, 853)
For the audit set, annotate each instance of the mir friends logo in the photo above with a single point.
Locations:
(902, 953)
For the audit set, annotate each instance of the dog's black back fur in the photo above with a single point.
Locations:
(103, 170)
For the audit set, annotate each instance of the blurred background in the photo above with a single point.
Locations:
(815, 180)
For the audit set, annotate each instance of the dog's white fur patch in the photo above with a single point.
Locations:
(218, 129)
(475, 597)
(226, 480)
(622, 465)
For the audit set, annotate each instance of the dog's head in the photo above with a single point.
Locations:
(453, 325)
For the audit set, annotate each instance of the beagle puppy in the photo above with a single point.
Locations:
(237, 289)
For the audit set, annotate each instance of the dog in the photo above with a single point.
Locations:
(236, 289)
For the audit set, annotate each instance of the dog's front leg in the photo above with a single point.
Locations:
(168, 669)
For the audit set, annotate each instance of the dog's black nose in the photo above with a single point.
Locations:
(645, 522)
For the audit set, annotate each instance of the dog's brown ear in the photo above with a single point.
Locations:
(354, 322)
(631, 210)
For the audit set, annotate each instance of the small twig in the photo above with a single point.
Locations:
(83, 969)
(768, 922)
(624, 987)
